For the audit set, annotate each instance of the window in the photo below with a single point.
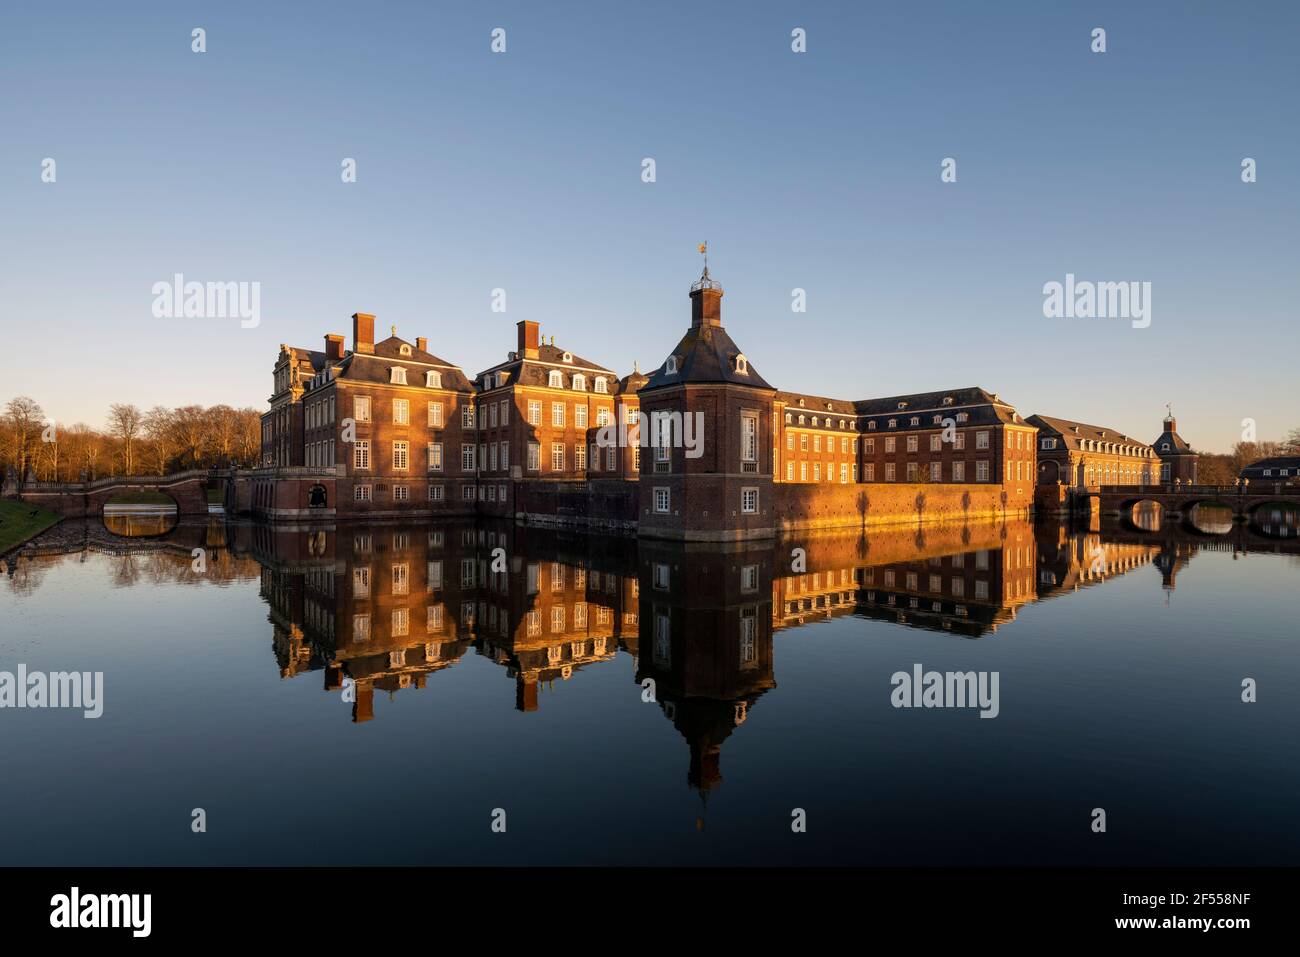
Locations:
(817, 443)
(611, 459)
(803, 441)
(870, 445)
(911, 471)
(534, 456)
(749, 500)
(361, 408)
(661, 500)
(557, 414)
(401, 411)
(742, 365)
(557, 456)
(361, 455)
(749, 578)
(397, 375)
(749, 438)
(803, 471)
(844, 474)
(435, 493)
(433, 380)
(789, 441)
(982, 471)
(505, 411)
(435, 456)
(936, 471)
(981, 440)
(505, 456)
(602, 386)
(580, 416)
(435, 415)
(361, 583)
(580, 457)
(1049, 443)
(534, 412)
(467, 492)
(959, 471)
(890, 443)
(889, 471)
(911, 443)
(789, 471)
(555, 380)
(579, 382)
(401, 493)
(870, 472)
(362, 493)
(603, 415)
(467, 415)
(936, 442)
(400, 456)
(467, 457)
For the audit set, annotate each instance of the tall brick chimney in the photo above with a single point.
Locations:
(363, 332)
(706, 301)
(333, 347)
(422, 344)
(528, 339)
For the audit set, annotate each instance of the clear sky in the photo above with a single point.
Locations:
(523, 171)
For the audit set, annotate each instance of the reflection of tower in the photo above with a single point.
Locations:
(708, 618)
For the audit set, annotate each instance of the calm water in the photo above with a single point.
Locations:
(1120, 654)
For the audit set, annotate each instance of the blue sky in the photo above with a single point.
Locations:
(522, 171)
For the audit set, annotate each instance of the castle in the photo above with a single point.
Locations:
(702, 448)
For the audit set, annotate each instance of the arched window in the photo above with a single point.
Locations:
(579, 382)
(742, 365)
(670, 367)
(601, 386)
(405, 349)
(555, 380)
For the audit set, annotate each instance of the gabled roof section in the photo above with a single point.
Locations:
(1072, 433)
(1177, 446)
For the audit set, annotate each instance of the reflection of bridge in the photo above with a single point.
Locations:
(87, 499)
(1176, 501)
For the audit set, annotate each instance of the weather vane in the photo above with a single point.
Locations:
(704, 251)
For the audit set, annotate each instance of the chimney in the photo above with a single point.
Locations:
(422, 344)
(333, 347)
(706, 302)
(1171, 424)
(528, 339)
(363, 332)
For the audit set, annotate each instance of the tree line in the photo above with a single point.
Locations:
(132, 441)
(1220, 469)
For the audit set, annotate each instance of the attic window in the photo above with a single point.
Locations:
(801, 403)
(670, 367)
(405, 349)
(397, 375)
(902, 405)
(947, 400)
(742, 365)
(568, 357)
(816, 421)
(789, 418)
(579, 382)
(601, 386)
(555, 380)
(433, 380)
(1164, 446)
(829, 407)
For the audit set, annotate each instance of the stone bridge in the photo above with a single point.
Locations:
(189, 490)
(1177, 501)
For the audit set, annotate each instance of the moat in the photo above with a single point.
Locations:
(374, 693)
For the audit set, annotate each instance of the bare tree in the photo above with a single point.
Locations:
(23, 423)
(158, 427)
(125, 422)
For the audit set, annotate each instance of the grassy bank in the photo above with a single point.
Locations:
(20, 521)
(141, 497)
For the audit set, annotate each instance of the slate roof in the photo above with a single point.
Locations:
(536, 372)
(706, 354)
(1289, 462)
(1066, 429)
(1176, 444)
(364, 367)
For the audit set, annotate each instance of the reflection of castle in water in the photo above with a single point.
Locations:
(382, 608)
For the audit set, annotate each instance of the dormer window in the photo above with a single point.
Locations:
(789, 419)
(815, 421)
(397, 375)
(902, 405)
(555, 380)
(602, 386)
(802, 419)
(893, 423)
(742, 365)
(433, 380)
(938, 420)
(579, 383)
(871, 425)
(670, 367)
(947, 400)
(405, 349)
(916, 420)
(1164, 446)
(567, 357)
